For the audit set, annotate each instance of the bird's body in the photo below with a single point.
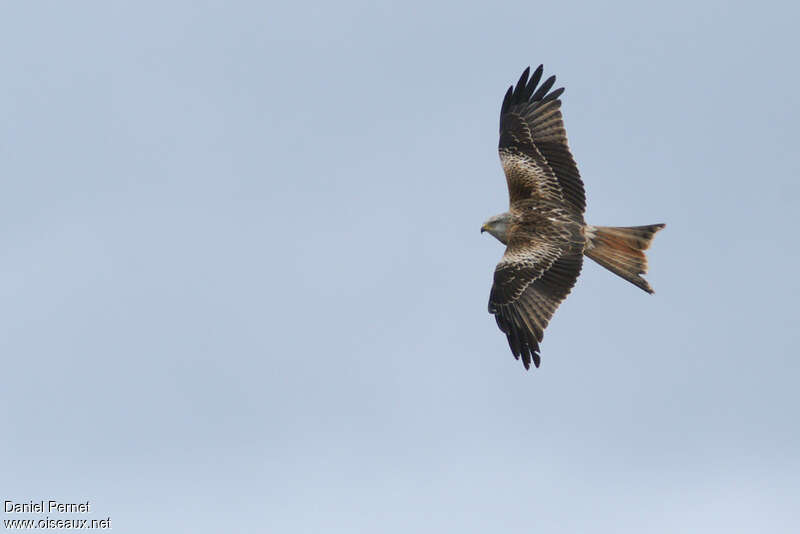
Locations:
(544, 230)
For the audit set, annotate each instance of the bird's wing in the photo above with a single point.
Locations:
(531, 280)
(533, 145)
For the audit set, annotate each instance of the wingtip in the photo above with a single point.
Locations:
(554, 94)
(532, 358)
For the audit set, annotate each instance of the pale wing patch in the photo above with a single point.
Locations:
(528, 179)
(520, 266)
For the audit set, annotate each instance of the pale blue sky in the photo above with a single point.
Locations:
(243, 288)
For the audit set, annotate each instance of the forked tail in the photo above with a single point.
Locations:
(621, 250)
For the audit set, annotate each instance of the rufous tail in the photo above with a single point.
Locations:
(621, 250)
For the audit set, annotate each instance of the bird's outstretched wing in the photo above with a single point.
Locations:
(531, 280)
(533, 145)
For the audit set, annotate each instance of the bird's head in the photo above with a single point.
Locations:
(498, 226)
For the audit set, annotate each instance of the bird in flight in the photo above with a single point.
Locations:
(544, 231)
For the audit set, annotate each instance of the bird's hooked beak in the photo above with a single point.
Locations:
(484, 228)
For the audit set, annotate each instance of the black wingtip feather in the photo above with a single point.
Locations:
(507, 100)
(534, 81)
(522, 82)
(523, 343)
(525, 90)
(542, 91)
(553, 95)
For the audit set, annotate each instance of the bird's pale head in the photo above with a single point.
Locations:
(498, 226)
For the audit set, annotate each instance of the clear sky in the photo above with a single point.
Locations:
(243, 288)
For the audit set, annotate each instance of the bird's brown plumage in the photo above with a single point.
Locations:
(544, 228)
